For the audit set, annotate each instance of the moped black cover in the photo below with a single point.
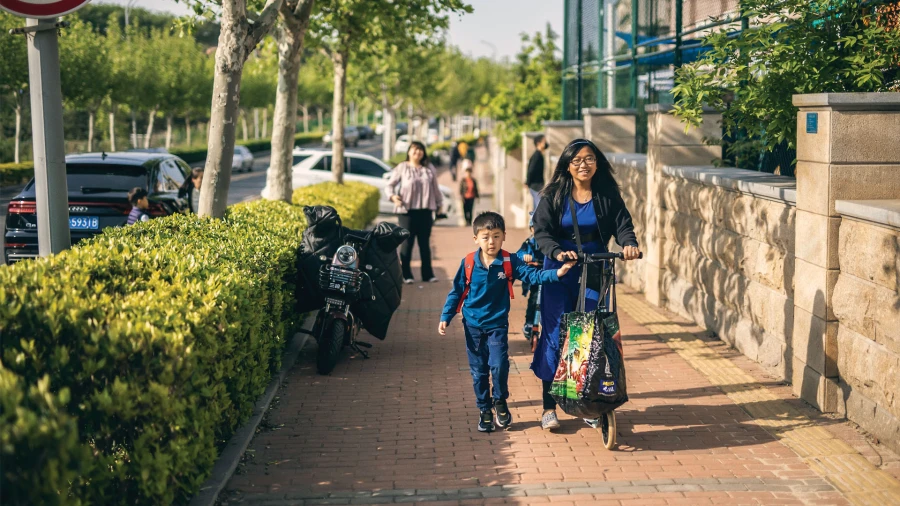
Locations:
(382, 263)
(321, 239)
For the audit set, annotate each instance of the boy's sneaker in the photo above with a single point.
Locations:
(504, 417)
(486, 421)
(549, 421)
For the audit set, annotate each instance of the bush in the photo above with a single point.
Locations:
(16, 173)
(159, 337)
(357, 203)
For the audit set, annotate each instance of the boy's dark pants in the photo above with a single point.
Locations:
(468, 204)
(488, 351)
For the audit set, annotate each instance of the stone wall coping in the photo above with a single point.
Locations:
(882, 212)
(634, 160)
(532, 135)
(845, 101)
(596, 111)
(758, 184)
(564, 123)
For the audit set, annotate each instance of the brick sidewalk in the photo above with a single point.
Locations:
(702, 426)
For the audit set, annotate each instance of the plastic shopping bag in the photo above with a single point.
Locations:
(590, 378)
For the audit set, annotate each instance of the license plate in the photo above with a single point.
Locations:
(84, 222)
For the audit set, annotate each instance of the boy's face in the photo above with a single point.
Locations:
(490, 241)
(143, 203)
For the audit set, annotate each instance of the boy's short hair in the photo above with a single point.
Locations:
(488, 220)
(538, 139)
(136, 193)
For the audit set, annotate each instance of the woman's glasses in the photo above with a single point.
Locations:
(588, 160)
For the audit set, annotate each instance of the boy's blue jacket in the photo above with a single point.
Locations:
(487, 304)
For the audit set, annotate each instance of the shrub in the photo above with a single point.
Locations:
(159, 337)
(16, 173)
(357, 203)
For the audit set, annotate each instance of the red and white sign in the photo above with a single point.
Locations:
(41, 8)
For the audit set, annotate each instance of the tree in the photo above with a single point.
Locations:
(536, 93)
(289, 35)
(258, 85)
(85, 71)
(347, 28)
(800, 47)
(14, 71)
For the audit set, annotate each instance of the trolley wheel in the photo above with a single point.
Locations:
(608, 430)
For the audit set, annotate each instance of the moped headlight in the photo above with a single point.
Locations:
(345, 255)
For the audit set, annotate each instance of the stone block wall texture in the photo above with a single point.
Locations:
(866, 301)
(612, 130)
(631, 174)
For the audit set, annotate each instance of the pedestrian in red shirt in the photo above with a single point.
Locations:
(468, 190)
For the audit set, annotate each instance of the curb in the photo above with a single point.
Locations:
(230, 457)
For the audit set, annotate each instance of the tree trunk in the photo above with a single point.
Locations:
(187, 129)
(409, 121)
(18, 130)
(112, 129)
(150, 120)
(289, 38)
(265, 126)
(388, 119)
(256, 123)
(305, 118)
(339, 61)
(319, 110)
(133, 129)
(91, 114)
(169, 120)
(245, 129)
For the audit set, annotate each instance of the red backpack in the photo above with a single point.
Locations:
(470, 266)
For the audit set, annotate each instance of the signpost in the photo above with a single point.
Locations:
(52, 198)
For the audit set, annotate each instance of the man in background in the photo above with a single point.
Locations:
(534, 179)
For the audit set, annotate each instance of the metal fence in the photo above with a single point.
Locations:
(623, 54)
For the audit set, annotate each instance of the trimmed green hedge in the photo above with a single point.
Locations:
(127, 361)
(21, 173)
(357, 203)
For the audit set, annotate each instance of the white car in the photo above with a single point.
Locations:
(402, 144)
(242, 159)
(313, 166)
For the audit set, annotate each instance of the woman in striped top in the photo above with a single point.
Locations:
(416, 196)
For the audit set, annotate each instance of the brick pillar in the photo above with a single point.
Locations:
(612, 130)
(669, 144)
(559, 134)
(848, 148)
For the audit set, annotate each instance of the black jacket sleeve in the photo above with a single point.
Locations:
(535, 172)
(546, 225)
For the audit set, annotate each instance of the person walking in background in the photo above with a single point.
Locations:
(468, 190)
(534, 178)
(460, 153)
(191, 189)
(139, 205)
(416, 196)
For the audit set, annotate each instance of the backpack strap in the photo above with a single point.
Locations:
(469, 266)
(507, 269)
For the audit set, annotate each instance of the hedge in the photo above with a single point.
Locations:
(21, 173)
(357, 203)
(129, 360)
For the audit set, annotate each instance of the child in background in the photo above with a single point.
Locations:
(138, 198)
(468, 190)
(531, 255)
(481, 291)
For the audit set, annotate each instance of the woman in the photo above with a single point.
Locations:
(190, 189)
(416, 196)
(583, 177)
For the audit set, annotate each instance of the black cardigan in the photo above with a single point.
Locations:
(612, 217)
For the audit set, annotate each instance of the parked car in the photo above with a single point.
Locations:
(432, 136)
(379, 129)
(402, 144)
(242, 159)
(402, 128)
(313, 166)
(98, 187)
(351, 137)
(366, 132)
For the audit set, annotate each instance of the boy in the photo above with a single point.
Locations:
(531, 255)
(138, 198)
(468, 190)
(482, 289)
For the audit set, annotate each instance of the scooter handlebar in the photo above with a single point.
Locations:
(603, 256)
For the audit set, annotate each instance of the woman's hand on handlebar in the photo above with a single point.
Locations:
(631, 252)
(566, 255)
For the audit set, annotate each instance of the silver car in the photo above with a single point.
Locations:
(351, 137)
(242, 159)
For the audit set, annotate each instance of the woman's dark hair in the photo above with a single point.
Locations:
(188, 185)
(417, 144)
(561, 183)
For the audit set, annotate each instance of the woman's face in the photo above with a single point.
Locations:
(415, 154)
(583, 165)
(197, 180)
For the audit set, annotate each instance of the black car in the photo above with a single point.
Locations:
(366, 132)
(98, 185)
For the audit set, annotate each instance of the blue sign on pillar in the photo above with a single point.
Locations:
(812, 122)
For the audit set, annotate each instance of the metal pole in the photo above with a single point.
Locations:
(47, 138)
(679, 29)
(610, 20)
(634, 42)
(565, 65)
(580, 62)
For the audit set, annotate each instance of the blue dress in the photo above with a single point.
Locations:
(560, 298)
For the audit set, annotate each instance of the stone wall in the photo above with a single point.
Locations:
(631, 173)
(867, 306)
